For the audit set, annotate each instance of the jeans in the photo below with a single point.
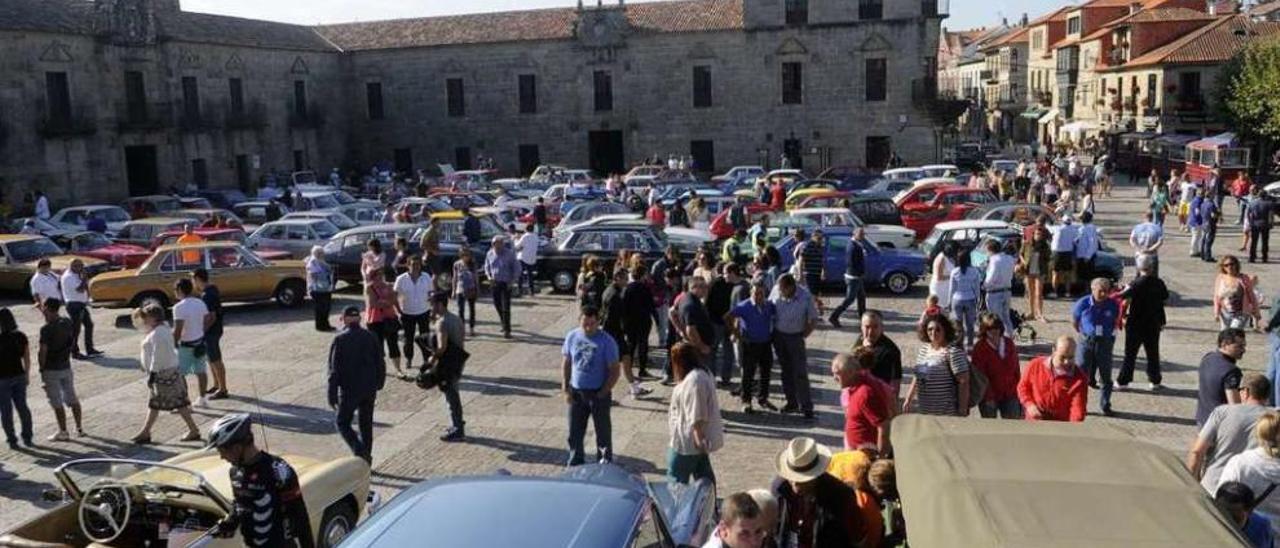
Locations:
(1259, 236)
(1197, 234)
(688, 468)
(998, 304)
(756, 357)
(502, 303)
(721, 353)
(1241, 203)
(80, 321)
(853, 292)
(323, 301)
(793, 362)
(528, 274)
(592, 404)
(413, 324)
(13, 397)
(362, 444)
(1273, 366)
(1007, 409)
(662, 324)
(453, 402)
(1147, 339)
(966, 313)
(1094, 356)
(638, 344)
(1206, 243)
(463, 302)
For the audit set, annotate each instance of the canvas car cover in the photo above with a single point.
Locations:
(996, 483)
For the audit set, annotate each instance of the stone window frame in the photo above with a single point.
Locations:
(787, 96)
(531, 106)
(455, 101)
(707, 99)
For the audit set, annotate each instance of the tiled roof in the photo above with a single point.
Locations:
(1213, 43)
(543, 24)
(1017, 35)
(1155, 15)
(60, 16)
(1265, 9)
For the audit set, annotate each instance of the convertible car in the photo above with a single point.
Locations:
(592, 506)
(118, 502)
(241, 275)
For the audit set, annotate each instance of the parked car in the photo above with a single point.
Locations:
(561, 261)
(77, 218)
(221, 235)
(223, 198)
(43, 227)
(964, 234)
(923, 207)
(812, 198)
(852, 178)
(687, 240)
(421, 208)
(940, 170)
(254, 213)
(903, 174)
(738, 176)
(98, 246)
(1106, 263)
(888, 236)
(295, 236)
(888, 186)
(202, 216)
(722, 228)
(875, 210)
(575, 196)
(150, 206)
(459, 200)
(1020, 213)
(19, 254)
(316, 200)
(333, 216)
(343, 250)
(140, 232)
(667, 193)
(1009, 167)
(813, 184)
(596, 506)
(641, 175)
(589, 210)
(195, 202)
(893, 269)
(787, 176)
(241, 276)
(362, 213)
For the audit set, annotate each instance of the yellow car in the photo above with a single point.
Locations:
(239, 273)
(795, 198)
(177, 502)
(19, 254)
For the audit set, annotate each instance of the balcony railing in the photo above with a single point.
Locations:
(252, 116)
(79, 122)
(143, 116)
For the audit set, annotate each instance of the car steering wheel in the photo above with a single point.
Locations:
(104, 511)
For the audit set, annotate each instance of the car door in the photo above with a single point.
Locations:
(874, 262)
(175, 265)
(238, 275)
(13, 277)
(837, 259)
(298, 240)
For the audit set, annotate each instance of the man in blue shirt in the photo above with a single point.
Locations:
(751, 325)
(589, 371)
(1094, 317)
(503, 270)
(855, 269)
(1209, 213)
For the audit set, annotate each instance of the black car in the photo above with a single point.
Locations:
(344, 249)
(876, 210)
(223, 198)
(562, 260)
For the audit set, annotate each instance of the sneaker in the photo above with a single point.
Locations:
(766, 404)
(218, 395)
(1108, 412)
(202, 402)
(453, 435)
(636, 390)
(1155, 387)
(60, 436)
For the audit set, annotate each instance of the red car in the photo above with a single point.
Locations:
(221, 235)
(98, 246)
(721, 228)
(924, 206)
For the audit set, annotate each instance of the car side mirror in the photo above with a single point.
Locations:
(54, 494)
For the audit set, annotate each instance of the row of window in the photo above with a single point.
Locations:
(796, 12)
(136, 108)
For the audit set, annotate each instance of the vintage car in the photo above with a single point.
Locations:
(888, 186)
(470, 179)
(875, 209)
(140, 232)
(220, 235)
(140, 207)
(561, 261)
(577, 195)
(966, 482)
(738, 176)
(964, 234)
(77, 218)
(458, 200)
(853, 178)
(888, 236)
(339, 220)
(241, 276)
(41, 226)
(296, 236)
(924, 206)
(418, 208)
(893, 269)
(787, 176)
(722, 228)
(1019, 213)
(98, 246)
(362, 213)
(206, 214)
(596, 506)
(589, 210)
(641, 175)
(176, 502)
(813, 184)
(195, 202)
(816, 197)
(940, 170)
(254, 213)
(903, 174)
(19, 254)
(344, 249)
(1106, 263)
(1008, 167)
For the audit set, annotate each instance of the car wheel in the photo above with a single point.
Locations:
(336, 524)
(290, 293)
(897, 283)
(151, 297)
(563, 281)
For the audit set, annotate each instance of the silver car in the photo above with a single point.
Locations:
(339, 220)
(295, 236)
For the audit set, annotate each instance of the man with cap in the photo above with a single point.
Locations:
(503, 269)
(357, 371)
(818, 509)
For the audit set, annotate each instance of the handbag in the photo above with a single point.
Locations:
(978, 383)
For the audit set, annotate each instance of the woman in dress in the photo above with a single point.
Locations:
(996, 356)
(320, 286)
(380, 313)
(1234, 302)
(372, 260)
(940, 274)
(694, 426)
(160, 362)
(466, 287)
(966, 288)
(941, 383)
(1035, 258)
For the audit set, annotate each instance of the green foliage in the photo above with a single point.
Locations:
(1249, 90)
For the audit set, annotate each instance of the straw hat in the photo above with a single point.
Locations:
(803, 460)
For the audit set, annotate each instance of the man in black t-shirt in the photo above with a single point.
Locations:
(887, 357)
(1219, 374)
(694, 321)
(57, 338)
(212, 298)
(613, 314)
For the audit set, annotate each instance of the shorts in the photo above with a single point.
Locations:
(1063, 261)
(623, 348)
(59, 386)
(188, 362)
(213, 345)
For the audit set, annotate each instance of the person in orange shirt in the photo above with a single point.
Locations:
(851, 467)
(187, 238)
(1054, 388)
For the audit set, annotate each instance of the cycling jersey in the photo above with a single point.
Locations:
(268, 504)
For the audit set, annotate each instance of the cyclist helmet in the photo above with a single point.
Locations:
(231, 429)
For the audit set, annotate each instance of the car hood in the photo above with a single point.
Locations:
(893, 229)
(114, 275)
(122, 249)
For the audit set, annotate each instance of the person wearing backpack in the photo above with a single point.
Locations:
(1094, 318)
(1261, 216)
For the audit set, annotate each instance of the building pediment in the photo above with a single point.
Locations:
(56, 52)
(875, 42)
(299, 66)
(792, 46)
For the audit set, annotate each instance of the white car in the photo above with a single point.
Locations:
(940, 170)
(338, 219)
(77, 218)
(887, 236)
(738, 175)
(1272, 190)
(903, 173)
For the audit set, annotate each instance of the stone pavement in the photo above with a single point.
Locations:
(515, 416)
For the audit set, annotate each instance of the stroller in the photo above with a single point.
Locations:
(1022, 329)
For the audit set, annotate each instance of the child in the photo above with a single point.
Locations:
(1237, 500)
(931, 308)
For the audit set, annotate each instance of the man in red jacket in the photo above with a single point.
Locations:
(1054, 388)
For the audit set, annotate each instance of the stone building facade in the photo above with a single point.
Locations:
(103, 99)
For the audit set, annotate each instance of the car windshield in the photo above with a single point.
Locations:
(324, 229)
(29, 250)
(167, 204)
(111, 215)
(323, 201)
(85, 474)
(89, 241)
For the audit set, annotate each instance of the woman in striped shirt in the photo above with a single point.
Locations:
(941, 383)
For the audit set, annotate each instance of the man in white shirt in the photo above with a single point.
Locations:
(75, 294)
(1146, 239)
(1063, 244)
(413, 301)
(1088, 242)
(44, 284)
(42, 206)
(998, 283)
(190, 319)
(527, 252)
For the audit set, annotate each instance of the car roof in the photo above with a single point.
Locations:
(90, 207)
(296, 222)
(898, 170)
(160, 220)
(935, 180)
(198, 245)
(450, 215)
(939, 166)
(150, 197)
(971, 223)
(819, 210)
(389, 227)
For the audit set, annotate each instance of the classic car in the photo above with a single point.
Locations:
(177, 502)
(966, 482)
(965, 235)
(888, 186)
(41, 226)
(459, 200)
(140, 232)
(241, 276)
(893, 269)
(738, 176)
(722, 228)
(940, 170)
(641, 175)
(419, 208)
(853, 178)
(668, 193)
(469, 179)
(787, 176)
(363, 214)
(98, 246)
(254, 213)
(1020, 213)
(578, 195)
(223, 197)
(546, 174)
(714, 200)
(923, 207)
(204, 215)
(589, 210)
(596, 506)
(813, 184)
(875, 209)
(316, 200)
(561, 261)
(19, 254)
(150, 206)
(816, 197)
(220, 235)
(903, 174)
(195, 202)
(1106, 263)
(1009, 167)
(77, 218)
(344, 249)
(339, 220)
(295, 236)
(889, 236)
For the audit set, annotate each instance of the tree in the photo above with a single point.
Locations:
(1248, 95)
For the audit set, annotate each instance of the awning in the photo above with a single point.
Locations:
(1048, 116)
(1079, 126)
(1220, 140)
(1034, 112)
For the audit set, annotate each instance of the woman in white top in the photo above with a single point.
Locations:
(693, 422)
(1259, 468)
(940, 275)
(160, 362)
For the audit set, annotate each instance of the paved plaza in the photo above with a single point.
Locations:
(515, 415)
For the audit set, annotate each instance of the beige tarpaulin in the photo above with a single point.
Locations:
(1001, 483)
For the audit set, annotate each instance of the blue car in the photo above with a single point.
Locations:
(577, 196)
(894, 269)
(592, 506)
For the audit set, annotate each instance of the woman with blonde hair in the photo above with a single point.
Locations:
(1234, 302)
(1259, 468)
(159, 360)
